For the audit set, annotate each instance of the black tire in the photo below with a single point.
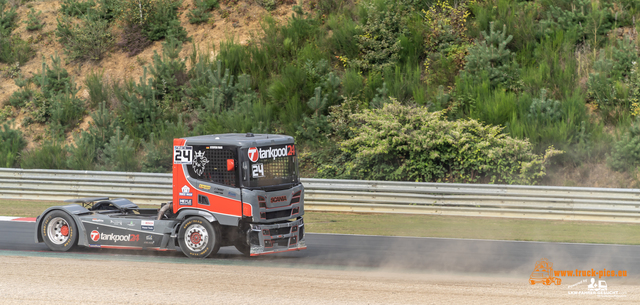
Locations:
(59, 231)
(199, 238)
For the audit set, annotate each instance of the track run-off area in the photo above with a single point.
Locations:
(335, 269)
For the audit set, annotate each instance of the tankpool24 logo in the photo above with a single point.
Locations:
(255, 153)
(95, 236)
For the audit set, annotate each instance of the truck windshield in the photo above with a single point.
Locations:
(269, 166)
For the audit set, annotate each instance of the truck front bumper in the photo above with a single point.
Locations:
(276, 238)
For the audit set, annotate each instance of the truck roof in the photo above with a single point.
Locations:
(240, 139)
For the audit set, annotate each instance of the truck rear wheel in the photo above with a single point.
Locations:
(199, 238)
(59, 231)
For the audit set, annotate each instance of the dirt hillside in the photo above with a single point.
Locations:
(242, 23)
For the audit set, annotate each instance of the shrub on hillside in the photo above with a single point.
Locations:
(168, 71)
(624, 55)
(202, 11)
(11, 144)
(75, 8)
(157, 19)
(489, 58)
(625, 154)
(158, 150)
(48, 155)
(446, 41)
(88, 40)
(83, 154)
(600, 88)
(8, 18)
(380, 44)
(34, 22)
(400, 142)
(54, 79)
(20, 97)
(544, 109)
(12, 48)
(120, 154)
(235, 108)
(66, 110)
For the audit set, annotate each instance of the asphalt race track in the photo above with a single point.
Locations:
(397, 253)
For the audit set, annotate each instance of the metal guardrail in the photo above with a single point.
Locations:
(513, 201)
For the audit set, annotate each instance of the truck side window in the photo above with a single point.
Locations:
(211, 165)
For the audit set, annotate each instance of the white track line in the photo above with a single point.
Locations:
(13, 218)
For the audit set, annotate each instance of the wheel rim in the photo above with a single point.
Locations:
(196, 237)
(58, 230)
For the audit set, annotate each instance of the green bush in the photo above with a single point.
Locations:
(159, 149)
(120, 154)
(446, 41)
(48, 155)
(379, 42)
(34, 23)
(12, 48)
(66, 110)
(11, 144)
(624, 56)
(625, 154)
(103, 127)
(75, 8)
(316, 128)
(54, 78)
(88, 40)
(20, 97)
(586, 18)
(169, 72)
(140, 113)
(268, 5)
(245, 113)
(490, 58)
(157, 19)
(400, 142)
(202, 11)
(600, 88)
(545, 110)
(8, 18)
(82, 155)
(99, 91)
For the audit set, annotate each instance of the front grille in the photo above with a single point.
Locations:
(278, 214)
(280, 231)
(280, 242)
(296, 197)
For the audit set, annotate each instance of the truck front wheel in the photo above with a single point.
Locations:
(58, 231)
(199, 238)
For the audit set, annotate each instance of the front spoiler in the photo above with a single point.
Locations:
(262, 242)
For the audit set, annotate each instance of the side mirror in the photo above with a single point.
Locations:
(231, 165)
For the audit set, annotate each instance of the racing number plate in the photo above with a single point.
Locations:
(182, 154)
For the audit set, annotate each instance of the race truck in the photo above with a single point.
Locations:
(239, 190)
